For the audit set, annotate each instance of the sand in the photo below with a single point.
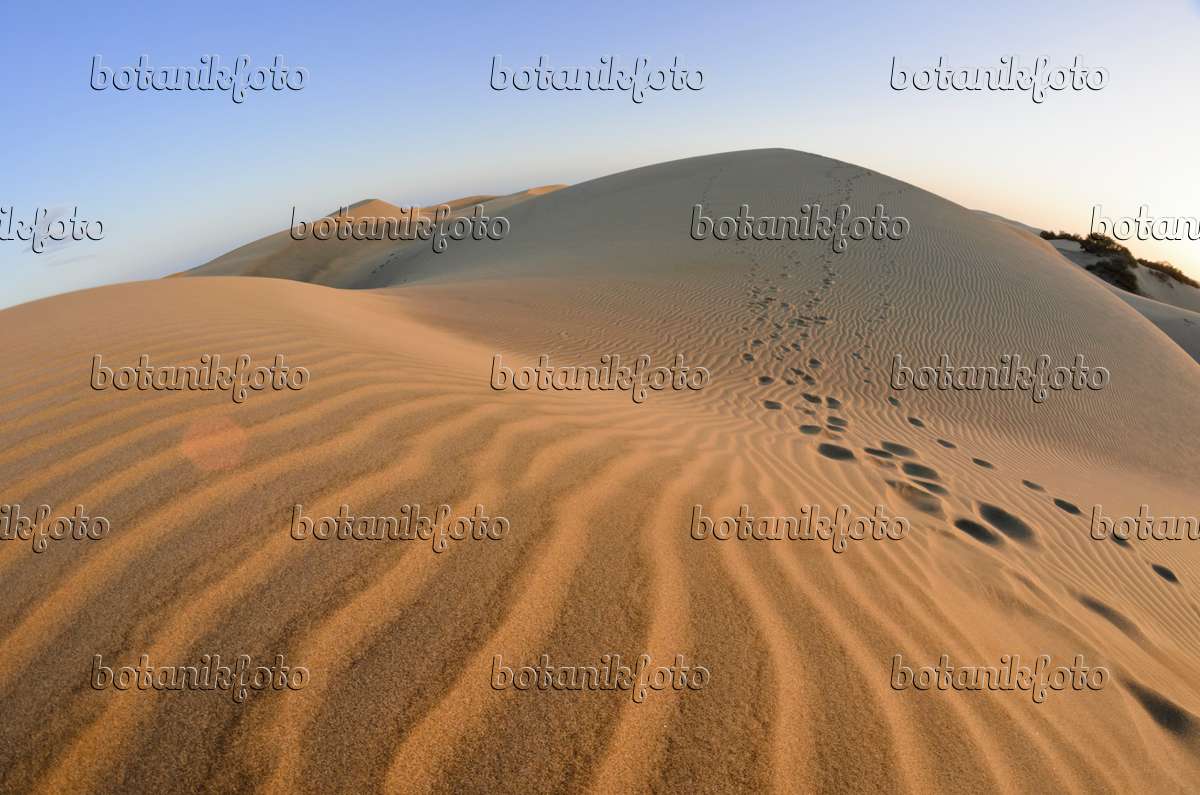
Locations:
(1154, 285)
(1172, 306)
(350, 262)
(599, 491)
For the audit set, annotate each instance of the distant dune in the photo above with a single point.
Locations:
(342, 263)
(599, 490)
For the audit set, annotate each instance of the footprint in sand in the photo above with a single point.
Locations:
(979, 532)
(1069, 507)
(1116, 619)
(1029, 484)
(921, 500)
(1165, 712)
(1165, 573)
(920, 471)
(982, 463)
(898, 449)
(836, 452)
(1006, 523)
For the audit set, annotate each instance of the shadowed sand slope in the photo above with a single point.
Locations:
(342, 263)
(599, 492)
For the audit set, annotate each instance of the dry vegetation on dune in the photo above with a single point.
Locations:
(1119, 261)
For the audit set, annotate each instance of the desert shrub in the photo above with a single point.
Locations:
(1117, 271)
(1096, 243)
(1119, 261)
(1047, 235)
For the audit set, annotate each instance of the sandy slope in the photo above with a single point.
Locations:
(1179, 324)
(343, 263)
(1154, 285)
(599, 491)
(1172, 306)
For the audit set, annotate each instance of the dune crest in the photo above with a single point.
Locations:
(343, 263)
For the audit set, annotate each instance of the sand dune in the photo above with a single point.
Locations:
(1180, 325)
(342, 263)
(1154, 285)
(1172, 306)
(599, 491)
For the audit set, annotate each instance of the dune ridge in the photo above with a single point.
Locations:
(343, 263)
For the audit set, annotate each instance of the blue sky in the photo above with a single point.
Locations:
(398, 106)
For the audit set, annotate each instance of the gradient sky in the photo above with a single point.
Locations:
(398, 106)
